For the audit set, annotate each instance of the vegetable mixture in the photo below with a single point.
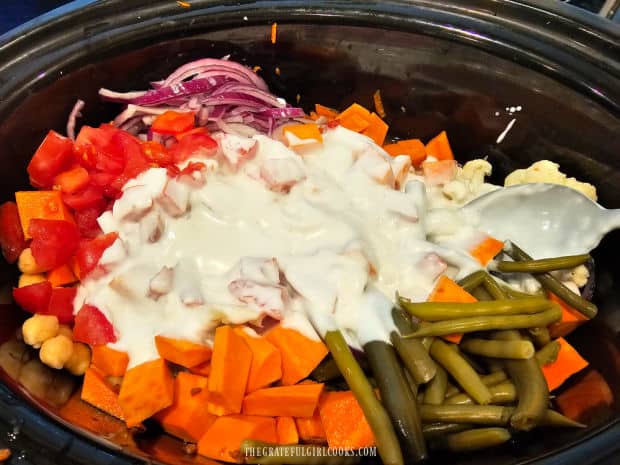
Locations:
(247, 274)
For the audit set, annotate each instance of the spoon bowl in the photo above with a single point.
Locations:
(546, 220)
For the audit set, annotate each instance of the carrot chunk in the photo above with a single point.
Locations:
(414, 148)
(486, 250)
(108, 361)
(61, 276)
(187, 418)
(300, 355)
(266, 366)
(567, 364)
(223, 439)
(571, 318)
(355, 118)
(98, 393)
(184, 353)
(46, 205)
(378, 101)
(230, 370)
(302, 134)
(377, 129)
(583, 400)
(146, 389)
(344, 421)
(300, 400)
(439, 147)
(446, 290)
(287, 431)
(311, 430)
(322, 110)
(204, 369)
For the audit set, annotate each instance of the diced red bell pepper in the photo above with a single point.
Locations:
(156, 153)
(173, 122)
(193, 145)
(86, 221)
(92, 327)
(12, 239)
(53, 241)
(53, 156)
(34, 298)
(90, 251)
(61, 304)
(200, 130)
(89, 197)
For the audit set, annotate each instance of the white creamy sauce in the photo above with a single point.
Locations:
(319, 241)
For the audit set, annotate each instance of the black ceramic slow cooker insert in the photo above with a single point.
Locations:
(453, 65)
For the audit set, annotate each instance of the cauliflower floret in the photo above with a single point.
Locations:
(475, 171)
(456, 190)
(469, 182)
(580, 275)
(549, 172)
(585, 188)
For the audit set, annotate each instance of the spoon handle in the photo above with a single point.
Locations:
(611, 220)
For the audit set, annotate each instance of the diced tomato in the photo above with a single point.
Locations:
(86, 221)
(191, 167)
(53, 156)
(156, 153)
(173, 122)
(91, 144)
(53, 241)
(61, 304)
(135, 160)
(90, 251)
(92, 327)
(90, 196)
(12, 239)
(72, 180)
(193, 145)
(34, 298)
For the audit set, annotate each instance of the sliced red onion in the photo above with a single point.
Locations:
(120, 97)
(73, 116)
(132, 110)
(194, 68)
(166, 93)
(288, 112)
(224, 95)
(249, 91)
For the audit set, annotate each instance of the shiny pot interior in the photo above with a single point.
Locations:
(437, 67)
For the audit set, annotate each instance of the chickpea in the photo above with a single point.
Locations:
(27, 264)
(79, 361)
(55, 352)
(38, 329)
(65, 331)
(27, 279)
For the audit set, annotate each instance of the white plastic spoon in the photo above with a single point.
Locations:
(545, 220)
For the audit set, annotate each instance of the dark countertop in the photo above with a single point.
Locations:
(16, 12)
